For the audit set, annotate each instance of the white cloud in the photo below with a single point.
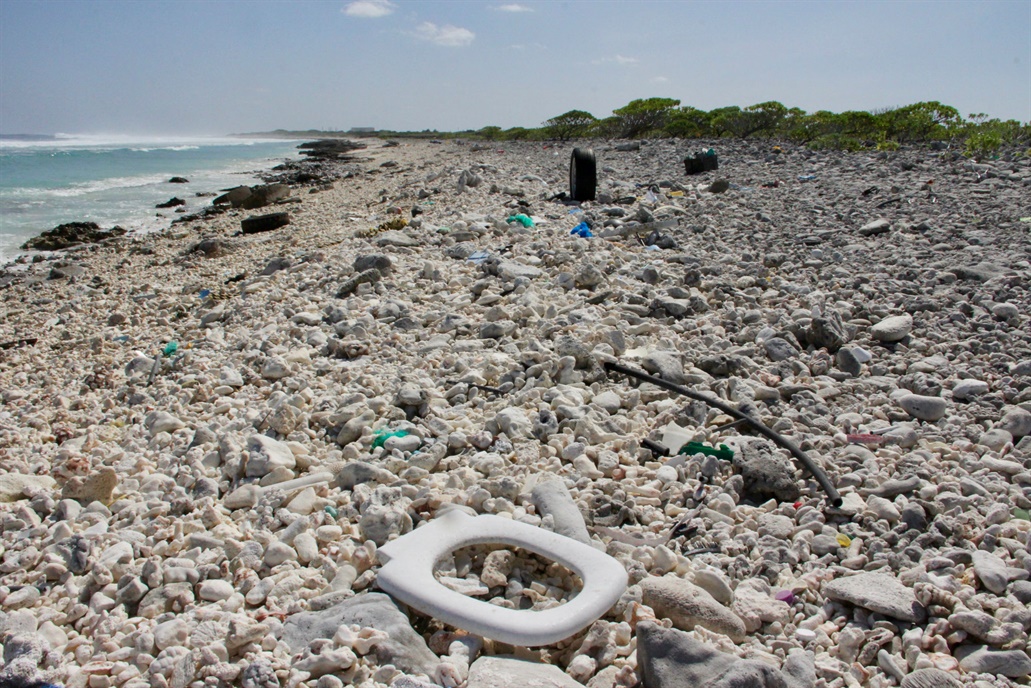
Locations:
(618, 59)
(447, 35)
(369, 9)
(513, 8)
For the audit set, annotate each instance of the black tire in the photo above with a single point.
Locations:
(583, 175)
(264, 223)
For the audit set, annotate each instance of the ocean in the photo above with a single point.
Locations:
(47, 181)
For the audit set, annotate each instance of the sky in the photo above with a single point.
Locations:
(219, 67)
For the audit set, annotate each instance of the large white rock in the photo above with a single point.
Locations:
(892, 329)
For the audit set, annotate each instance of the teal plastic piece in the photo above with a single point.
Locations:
(170, 348)
(722, 452)
(331, 510)
(383, 435)
(524, 220)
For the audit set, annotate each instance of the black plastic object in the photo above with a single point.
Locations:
(583, 175)
(264, 223)
(803, 458)
(706, 161)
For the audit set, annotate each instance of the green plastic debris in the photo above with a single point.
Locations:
(383, 435)
(1021, 514)
(524, 220)
(170, 348)
(332, 511)
(722, 452)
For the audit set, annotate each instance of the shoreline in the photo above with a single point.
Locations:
(878, 320)
(144, 218)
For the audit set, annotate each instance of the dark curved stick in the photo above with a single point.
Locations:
(807, 463)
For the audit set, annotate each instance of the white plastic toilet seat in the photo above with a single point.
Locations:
(407, 574)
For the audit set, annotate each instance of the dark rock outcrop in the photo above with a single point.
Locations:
(71, 234)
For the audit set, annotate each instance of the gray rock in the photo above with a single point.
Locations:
(965, 389)
(1021, 589)
(721, 365)
(509, 672)
(848, 362)
(877, 592)
(995, 439)
(778, 349)
(930, 678)
(666, 365)
(512, 421)
(766, 472)
(405, 649)
(993, 572)
(373, 260)
(892, 329)
(1016, 422)
(981, 659)
(982, 272)
(828, 332)
(924, 408)
(878, 226)
(13, 486)
(275, 265)
(688, 605)
(266, 454)
(1005, 311)
(668, 658)
(552, 498)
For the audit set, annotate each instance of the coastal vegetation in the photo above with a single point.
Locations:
(931, 122)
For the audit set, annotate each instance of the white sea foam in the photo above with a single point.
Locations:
(142, 143)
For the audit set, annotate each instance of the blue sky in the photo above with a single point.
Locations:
(212, 67)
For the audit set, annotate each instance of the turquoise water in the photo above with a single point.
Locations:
(118, 181)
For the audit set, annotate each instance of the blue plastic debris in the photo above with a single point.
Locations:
(582, 230)
(479, 257)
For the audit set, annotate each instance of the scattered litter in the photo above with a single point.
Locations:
(785, 596)
(331, 511)
(204, 293)
(407, 576)
(722, 452)
(522, 219)
(382, 436)
(843, 540)
(18, 343)
(704, 161)
(676, 194)
(806, 177)
(582, 230)
(170, 348)
(479, 257)
(1021, 514)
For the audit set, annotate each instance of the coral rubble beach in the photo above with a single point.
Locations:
(400, 348)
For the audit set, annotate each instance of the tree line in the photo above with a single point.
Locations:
(977, 135)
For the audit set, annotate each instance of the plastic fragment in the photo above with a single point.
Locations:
(843, 540)
(479, 257)
(1021, 514)
(522, 219)
(204, 293)
(786, 596)
(383, 435)
(722, 452)
(806, 177)
(582, 230)
(331, 511)
(170, 348)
